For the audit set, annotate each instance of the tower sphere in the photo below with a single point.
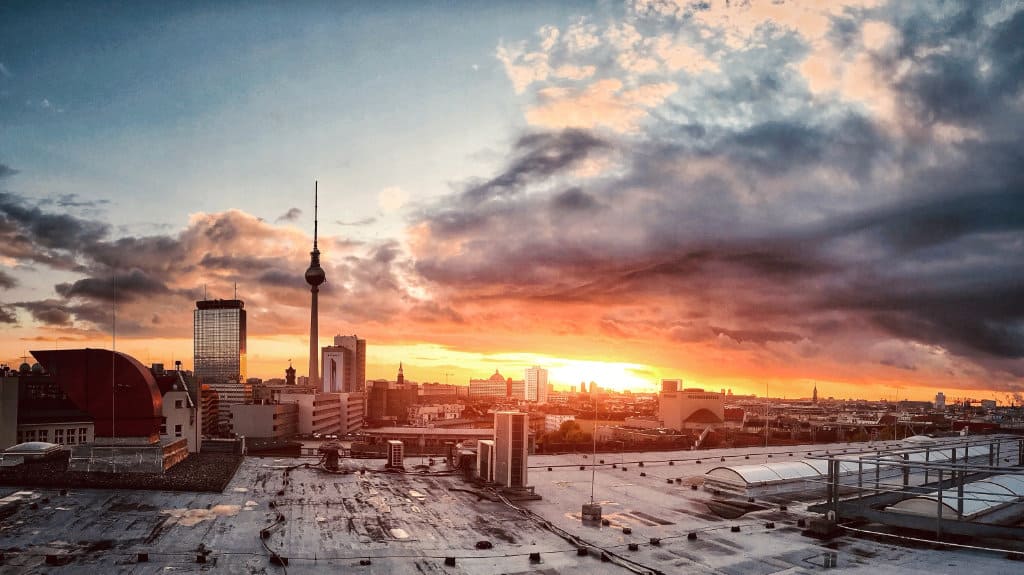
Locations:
(315, 275)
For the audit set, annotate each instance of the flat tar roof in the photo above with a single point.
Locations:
(409, 523)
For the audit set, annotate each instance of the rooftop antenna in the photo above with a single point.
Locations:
(316, 209)
(204, 292)
(236, 290)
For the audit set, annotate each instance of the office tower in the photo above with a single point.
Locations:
(511, 442)
(940, 401)
(314, 277)
(219, 341)
(344, 365)
(537, 384)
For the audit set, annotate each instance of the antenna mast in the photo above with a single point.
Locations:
(316, 210)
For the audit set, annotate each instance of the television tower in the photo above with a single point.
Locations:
(314, 277)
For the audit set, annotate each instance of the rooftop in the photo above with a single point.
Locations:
(409, 523)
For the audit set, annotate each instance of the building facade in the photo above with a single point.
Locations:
(425, 414)
(554, 421)
(344, 365)
(536, 381)
(497, 386)
(319, 413)
(485, 460)
(353, 411)
(691, 408)
(229, 394)
(389, 401)
(219, 341)
(511, 446)
(266, 420)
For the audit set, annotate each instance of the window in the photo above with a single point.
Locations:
(177, 430)
(58, 436)
(163, 426)
(82, 435)
(30, 435)
(71, 437)
(178, 404)
(44, 435)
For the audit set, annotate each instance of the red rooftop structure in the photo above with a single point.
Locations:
(115, 389)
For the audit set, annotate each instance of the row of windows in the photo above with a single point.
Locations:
(177, 428)
(61, 436)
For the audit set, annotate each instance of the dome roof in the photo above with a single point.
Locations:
(497, 377)
(703, 416)
(32, 447)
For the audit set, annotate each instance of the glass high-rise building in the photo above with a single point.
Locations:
(219, 341)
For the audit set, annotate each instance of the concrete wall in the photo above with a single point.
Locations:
(280, 420)
(8, 411)
(187, 416)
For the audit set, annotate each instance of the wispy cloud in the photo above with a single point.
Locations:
(362, 222)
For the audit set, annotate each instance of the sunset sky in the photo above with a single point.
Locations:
(740, 195)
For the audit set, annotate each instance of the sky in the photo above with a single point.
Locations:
(756, 196)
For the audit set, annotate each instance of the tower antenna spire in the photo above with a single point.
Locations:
(314, 277)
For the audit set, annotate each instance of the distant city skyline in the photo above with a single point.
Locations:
(734, 195)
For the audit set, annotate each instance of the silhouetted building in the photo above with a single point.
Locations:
(389, 401)
(344, 364)
(70, 399)
(219, 341)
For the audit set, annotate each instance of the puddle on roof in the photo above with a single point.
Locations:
(399, 533)
(240, 490)
(190, 517)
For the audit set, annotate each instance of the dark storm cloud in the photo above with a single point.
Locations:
(290, 216)
(238, 262)
(281, 278)
(944, 80)
(122, 287)
(7, 281)
(924, 223)
(23, 226)
(7, 315)
(6, 171)
(575, 200)
(48, 312)
(536, 156)
(800, 219)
